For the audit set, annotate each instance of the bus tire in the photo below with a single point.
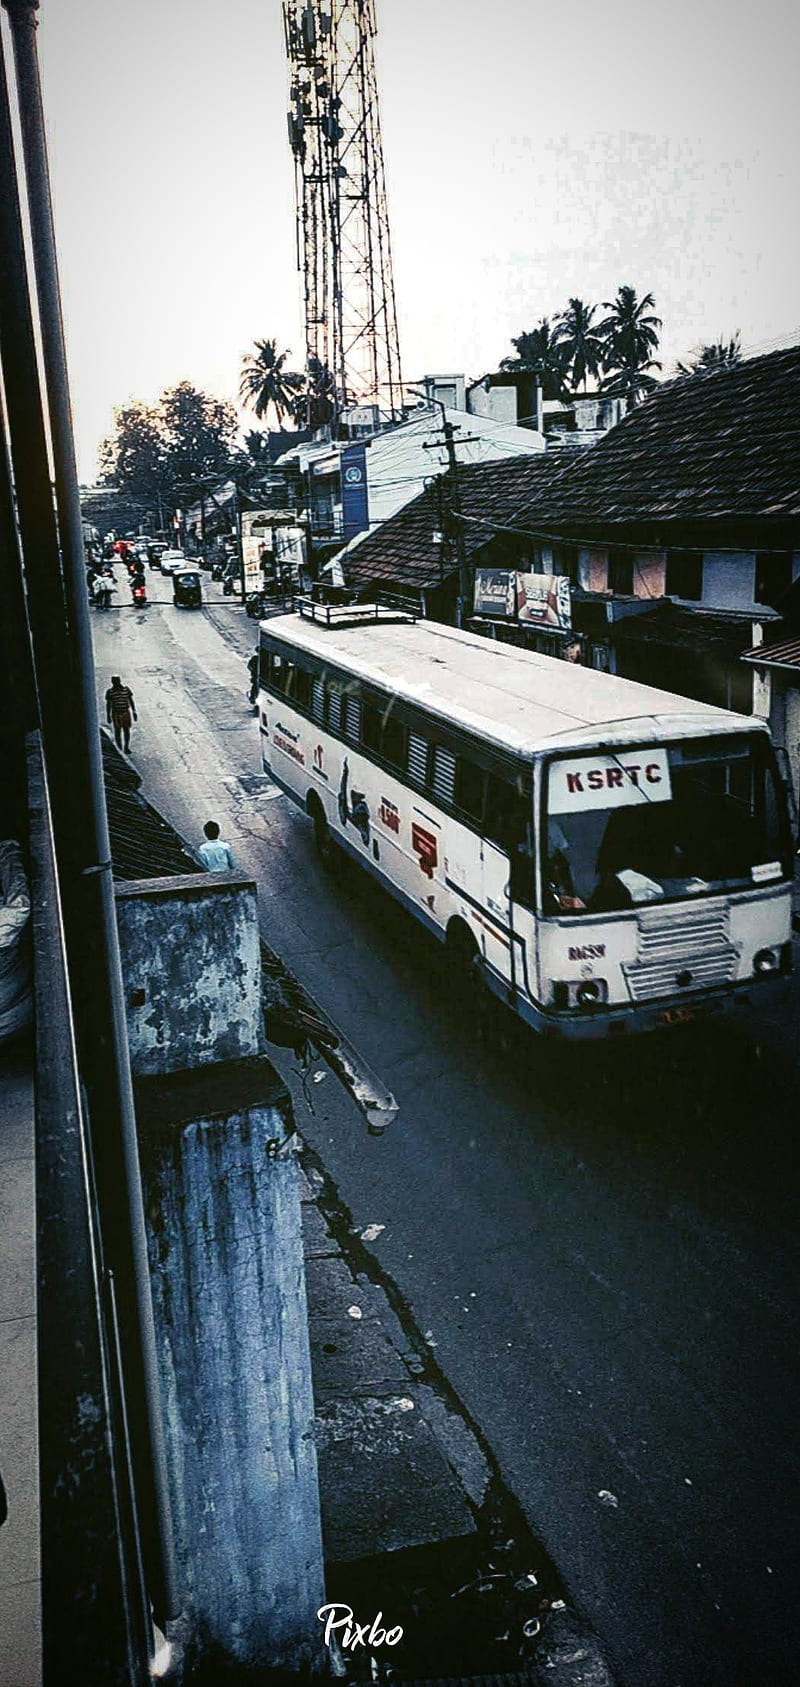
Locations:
(462, 955)
(323, 842)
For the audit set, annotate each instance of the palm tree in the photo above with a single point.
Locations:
(630, 334)
(266, 383)
(581, 344)
(540, 351)
(315, 404)
(721, 354)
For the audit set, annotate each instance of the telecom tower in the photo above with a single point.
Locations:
(342, 221)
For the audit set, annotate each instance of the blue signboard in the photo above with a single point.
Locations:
(355, 508)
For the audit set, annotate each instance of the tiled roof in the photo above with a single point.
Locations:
(143, 846)
(403, 548)
(716, 446)
(723, 446)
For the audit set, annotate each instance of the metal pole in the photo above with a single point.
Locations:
(89, 903)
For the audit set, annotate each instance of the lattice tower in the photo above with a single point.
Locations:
(344, 250)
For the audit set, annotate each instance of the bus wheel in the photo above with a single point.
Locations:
(323, 842)
(462, 956)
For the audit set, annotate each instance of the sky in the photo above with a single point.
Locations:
(532, 153)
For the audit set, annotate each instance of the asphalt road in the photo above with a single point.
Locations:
(601, 1243)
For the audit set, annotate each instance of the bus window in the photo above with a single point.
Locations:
(469, 788)
(352, 719)
(318, 700)
(299, 686)
(444, 774)
(506, 813)
(418, 758)
(393, 741)
(370, 728)
(334, 708)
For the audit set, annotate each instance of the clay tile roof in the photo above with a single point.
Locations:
(718, 446)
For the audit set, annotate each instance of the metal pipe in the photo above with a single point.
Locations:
(89, 905)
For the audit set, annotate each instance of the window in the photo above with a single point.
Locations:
(418, 758)
(469, 787)
(299, 687)
(318, 700)
(684, 577)
(773, 577)
(334, 708)
(506, 812)
(444, 774)
(620, 573)
(370, 728)
(393, 741)
(352, 719)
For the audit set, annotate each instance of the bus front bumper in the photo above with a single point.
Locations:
(668, 1011)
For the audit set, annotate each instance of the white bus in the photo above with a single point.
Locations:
(609, 856)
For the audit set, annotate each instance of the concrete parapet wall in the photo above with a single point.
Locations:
(229, 1296)
(192, 967)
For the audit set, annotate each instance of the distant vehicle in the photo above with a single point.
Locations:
(157, 549)
(607, 857)
(172, 560)
(187, 588)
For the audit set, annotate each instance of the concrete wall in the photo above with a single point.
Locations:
(649, 574)
(229, 1300)
(192, 967)
(499, 402)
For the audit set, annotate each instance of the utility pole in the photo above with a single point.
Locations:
(451, 481)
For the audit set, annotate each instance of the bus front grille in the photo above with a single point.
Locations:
(681, 949)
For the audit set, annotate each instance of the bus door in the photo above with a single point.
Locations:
(507, 871)
(496, 935)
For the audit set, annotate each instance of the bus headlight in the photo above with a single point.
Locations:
(767, 960)
(585, 993)
(590, 992)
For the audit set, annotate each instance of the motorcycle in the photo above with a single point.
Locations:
(256, 605)
(139, 594)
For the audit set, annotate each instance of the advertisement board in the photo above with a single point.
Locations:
(534, 600)
(256, 538)
(355, 503)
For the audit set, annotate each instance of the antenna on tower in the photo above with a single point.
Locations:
(343, 246)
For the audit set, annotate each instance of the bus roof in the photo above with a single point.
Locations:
(518, 699)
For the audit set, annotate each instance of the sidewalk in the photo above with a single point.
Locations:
(20, 1593)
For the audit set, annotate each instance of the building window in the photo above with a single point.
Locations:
(620, 573)
(773, 577)
(685, 575)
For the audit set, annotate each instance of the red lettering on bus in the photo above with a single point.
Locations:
(652, 773)
(574, 782)
(594, 779)
(613, 776)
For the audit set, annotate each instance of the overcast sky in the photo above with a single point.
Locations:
(532, 152)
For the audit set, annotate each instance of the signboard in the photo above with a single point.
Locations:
(534, 600)
(544, 601)
(355, 504)
(256, 539)
(601, 781)
(496, 593)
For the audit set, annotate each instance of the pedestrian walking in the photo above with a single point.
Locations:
(252, 669)
(120, 709)
(215, 854)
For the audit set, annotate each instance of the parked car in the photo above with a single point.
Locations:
(172, 560)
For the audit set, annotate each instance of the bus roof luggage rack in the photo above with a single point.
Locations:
(352, 614)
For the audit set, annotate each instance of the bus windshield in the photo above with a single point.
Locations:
(663, 821)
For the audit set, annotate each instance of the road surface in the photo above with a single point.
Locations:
(601, 1243)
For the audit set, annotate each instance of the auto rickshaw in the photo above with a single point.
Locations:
(187, 590)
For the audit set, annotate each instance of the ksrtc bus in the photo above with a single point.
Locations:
(610, 857)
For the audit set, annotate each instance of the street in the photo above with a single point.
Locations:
(601, 1242)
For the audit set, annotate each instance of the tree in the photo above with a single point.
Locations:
(629, 334)
(200, 434)
(133, 458)
(163, 452)
(581, 343)
(720, 354)
(316, 405)
(266, 384)
(539, 351)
